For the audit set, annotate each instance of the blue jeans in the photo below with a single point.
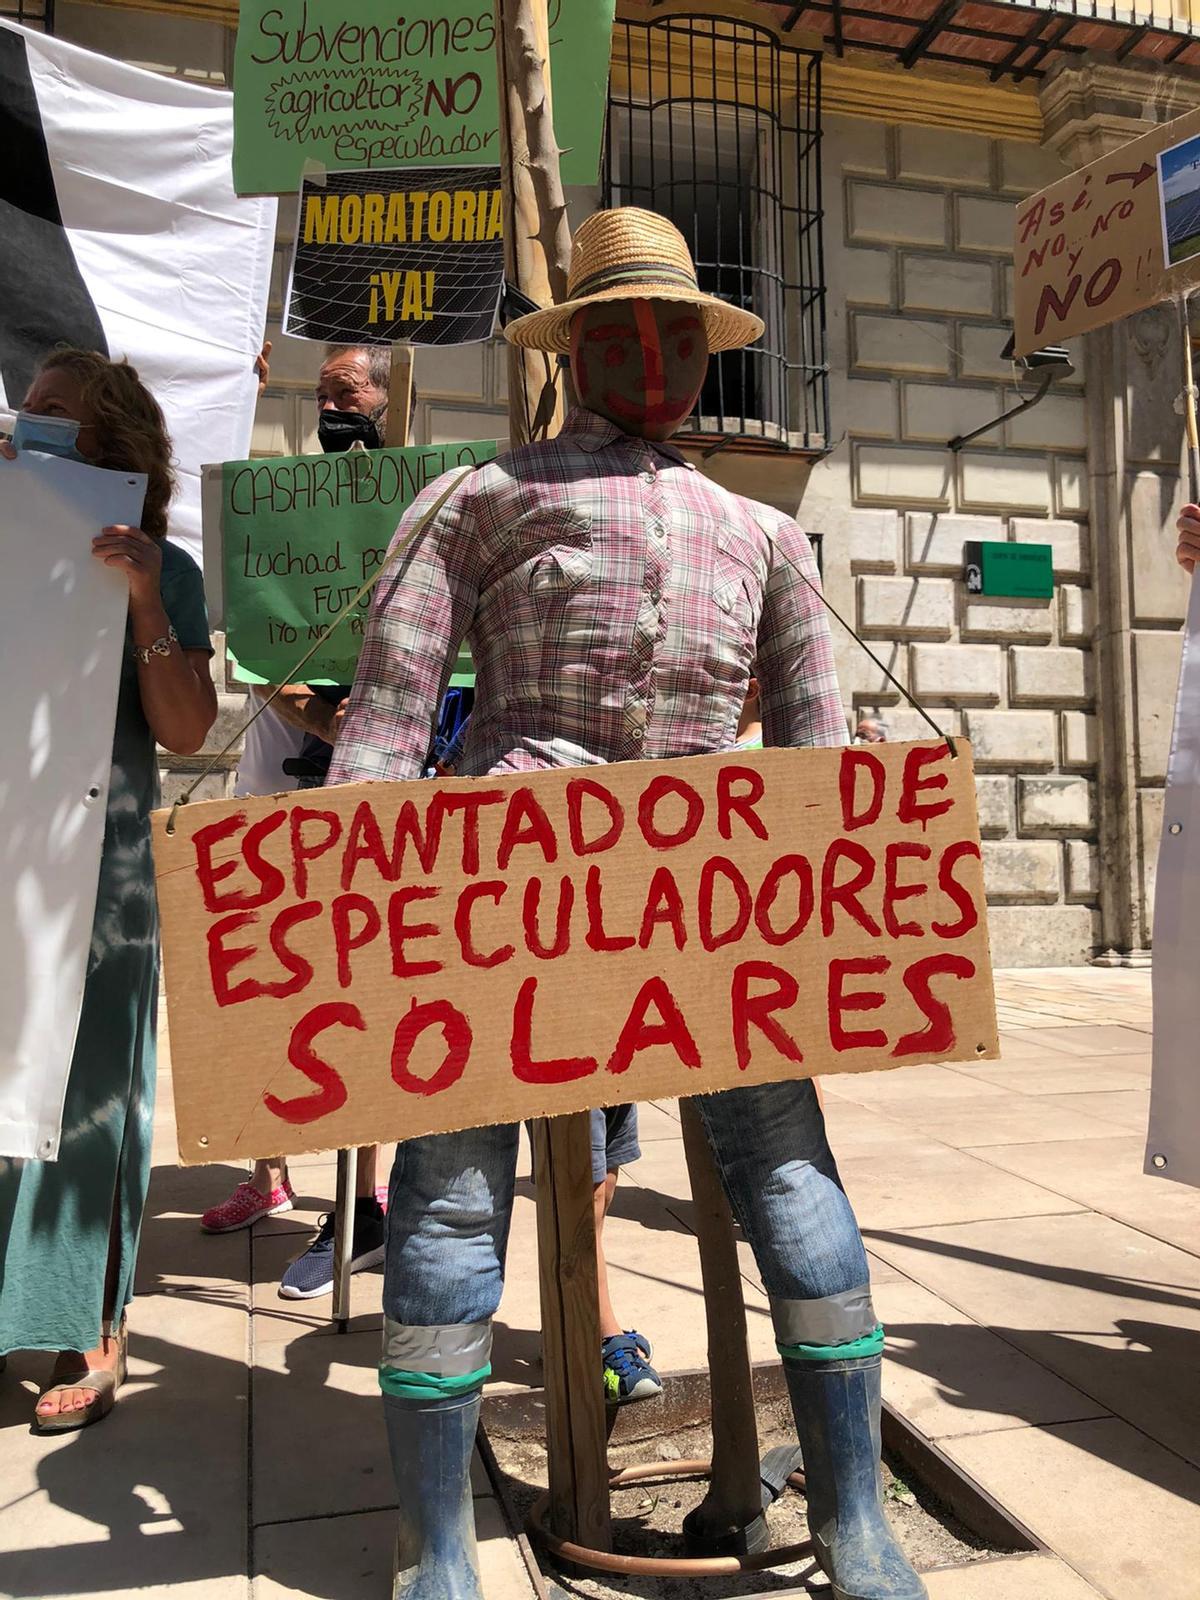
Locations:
(451, 1200)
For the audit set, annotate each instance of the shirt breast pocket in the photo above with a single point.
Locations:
(563, 564)
(737, 582)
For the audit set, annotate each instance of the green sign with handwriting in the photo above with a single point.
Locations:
(300, 535)
(378, 84)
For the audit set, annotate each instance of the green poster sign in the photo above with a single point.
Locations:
(1009, 571)
(379, 84)
(299, 537)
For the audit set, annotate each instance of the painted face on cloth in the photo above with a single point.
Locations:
(640, 363)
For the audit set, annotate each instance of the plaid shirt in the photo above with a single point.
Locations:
(614, 600)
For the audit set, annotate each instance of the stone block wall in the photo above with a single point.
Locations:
(918, 267)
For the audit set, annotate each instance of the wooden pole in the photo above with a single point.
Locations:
(733, 1503)
(343, 1239)
(1189, 401)
(399, 421)
(400, 393)
(537, 239)
(536, 257)
(576, 1430)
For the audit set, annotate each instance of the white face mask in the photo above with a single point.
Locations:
(52, 436)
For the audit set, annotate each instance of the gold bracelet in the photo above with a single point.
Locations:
(160, 647)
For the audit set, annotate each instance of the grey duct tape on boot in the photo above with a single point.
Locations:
(451, 1350)
(832, 1320)
(435, 1361)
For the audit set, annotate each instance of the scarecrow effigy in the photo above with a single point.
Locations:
(616, 603)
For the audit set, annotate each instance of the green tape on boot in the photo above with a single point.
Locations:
(430, 1385)
(871, 1344)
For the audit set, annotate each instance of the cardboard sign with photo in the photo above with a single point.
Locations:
(1110, 239)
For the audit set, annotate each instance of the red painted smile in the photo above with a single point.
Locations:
(638, 411)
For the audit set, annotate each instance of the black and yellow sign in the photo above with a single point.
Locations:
(383, 256)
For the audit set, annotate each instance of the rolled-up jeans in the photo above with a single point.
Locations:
(451, 1201)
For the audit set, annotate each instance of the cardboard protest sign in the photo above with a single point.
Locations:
(299, 535)
(378, 961)
(387, 86)
(384, 256)
(1118, 235)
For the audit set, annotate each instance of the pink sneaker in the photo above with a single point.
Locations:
(245, 1206)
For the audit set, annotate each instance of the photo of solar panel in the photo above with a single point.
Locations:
(1179, 186)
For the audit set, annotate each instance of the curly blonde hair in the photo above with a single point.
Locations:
(129, 424)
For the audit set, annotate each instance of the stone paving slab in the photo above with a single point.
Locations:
(1128, 1109)
(927, 1183)
(154, 1498)
(1019, 1578)
(350, 1558)
(1116, 1506)
(1062, 1074)
(1107, 1308)
(950, 1376)
(1042, 1300)
(1106, 1176)
(998, 1120)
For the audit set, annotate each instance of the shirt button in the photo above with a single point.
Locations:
(647, 477)
(656, 595)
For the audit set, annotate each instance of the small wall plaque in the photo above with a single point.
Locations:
(1009, 571)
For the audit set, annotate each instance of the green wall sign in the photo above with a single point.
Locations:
(1009, 571)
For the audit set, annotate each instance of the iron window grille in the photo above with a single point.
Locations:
(716, 124)
(29, 13)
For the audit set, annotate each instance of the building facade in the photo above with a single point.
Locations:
(851, 174)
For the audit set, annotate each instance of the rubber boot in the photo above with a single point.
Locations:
(431, 1442)
(836, 1405)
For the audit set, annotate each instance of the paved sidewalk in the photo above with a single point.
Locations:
(1042, 1301)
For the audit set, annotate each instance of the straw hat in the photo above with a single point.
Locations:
(630, 254)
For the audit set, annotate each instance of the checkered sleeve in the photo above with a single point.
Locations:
(801, 702)
(420, 614)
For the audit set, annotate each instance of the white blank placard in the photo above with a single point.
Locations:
(1173, 1142)
(62, 624)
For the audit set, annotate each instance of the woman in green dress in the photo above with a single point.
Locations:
(69, 1228)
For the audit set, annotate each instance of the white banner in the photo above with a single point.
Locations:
(62, 619)
(119, 228)
(1173, 1142)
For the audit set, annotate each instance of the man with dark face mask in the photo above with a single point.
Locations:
(352, 396)
(352, 400)
(615, 601)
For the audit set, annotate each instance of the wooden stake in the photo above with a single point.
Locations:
(537, 239)
(1189, 401)
(537, 248)
(734, 1498)
(400, 394)
(343, 1239)
(576, 1432)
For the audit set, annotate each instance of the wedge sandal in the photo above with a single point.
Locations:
(104, 1384)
